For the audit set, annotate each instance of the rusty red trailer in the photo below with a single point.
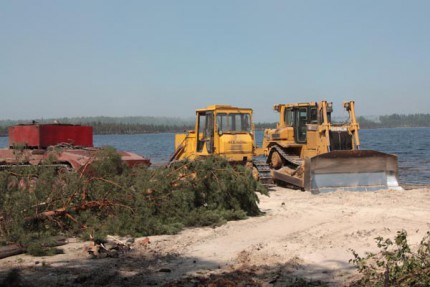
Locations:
(70, 146)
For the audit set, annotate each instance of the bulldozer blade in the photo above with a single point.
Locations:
(355, 170)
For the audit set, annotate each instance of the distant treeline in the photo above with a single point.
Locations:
(119, 128)
(397, 121)
(390, 121)
(116, 125)
(262, 126)
(139, 125)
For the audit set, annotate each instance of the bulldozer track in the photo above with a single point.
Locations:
(293, 159)
(263, 172)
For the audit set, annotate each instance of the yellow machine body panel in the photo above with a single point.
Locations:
(306, 129)
(308, 150)
(219, 130)
(184, 145)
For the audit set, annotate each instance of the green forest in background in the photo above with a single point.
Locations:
(139, 125)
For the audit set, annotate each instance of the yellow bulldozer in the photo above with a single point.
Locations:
(311, 152)
(225, 131)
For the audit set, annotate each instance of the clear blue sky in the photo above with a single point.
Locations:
(167, 58)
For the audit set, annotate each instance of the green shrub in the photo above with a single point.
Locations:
(396, 264)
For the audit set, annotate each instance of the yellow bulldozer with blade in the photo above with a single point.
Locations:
(306, 150)
(309, 151)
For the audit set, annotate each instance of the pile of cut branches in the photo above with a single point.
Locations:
(38, 203)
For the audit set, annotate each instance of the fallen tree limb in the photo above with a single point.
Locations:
(11, 250)
(83, 206)
(16, 249)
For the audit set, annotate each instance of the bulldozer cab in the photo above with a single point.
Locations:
(313, 128)
(220, 130)
(216, 126)
(298, 117)
(303, 117)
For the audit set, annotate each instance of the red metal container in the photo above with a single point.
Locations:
(44, 135)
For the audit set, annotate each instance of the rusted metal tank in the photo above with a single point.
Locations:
(60, 145)
(42, 136)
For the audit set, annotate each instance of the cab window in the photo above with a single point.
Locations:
(233, 122)
(289, 117)
(205, 131)
(313, 117)
(301, 121)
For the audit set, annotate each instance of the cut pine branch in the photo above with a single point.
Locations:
(84, 206)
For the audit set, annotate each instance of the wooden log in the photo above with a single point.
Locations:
(16, 249)
(11, 250)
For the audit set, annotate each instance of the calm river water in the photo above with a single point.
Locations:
(410, 144)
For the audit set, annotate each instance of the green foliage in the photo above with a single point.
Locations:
(107, 163)
(395, 264)
(39, 247)
(37, 203)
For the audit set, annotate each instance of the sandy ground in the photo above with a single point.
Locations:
(300, 234)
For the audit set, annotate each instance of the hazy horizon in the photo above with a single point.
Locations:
(151, 119)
